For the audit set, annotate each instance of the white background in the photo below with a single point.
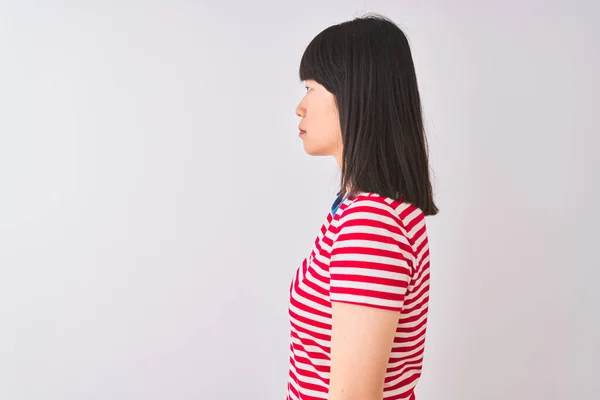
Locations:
(155, 199)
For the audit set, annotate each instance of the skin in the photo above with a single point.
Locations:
(362, 337)
(321, 121)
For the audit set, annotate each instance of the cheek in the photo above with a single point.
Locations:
(333, 114)
(323, 124)
(334, 125)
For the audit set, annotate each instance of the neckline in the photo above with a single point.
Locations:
(337, 203)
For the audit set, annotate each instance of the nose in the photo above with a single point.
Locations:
(300, 110)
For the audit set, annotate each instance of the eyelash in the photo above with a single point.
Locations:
(307, 88)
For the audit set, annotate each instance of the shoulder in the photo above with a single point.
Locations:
(369, 205)
(380, 218)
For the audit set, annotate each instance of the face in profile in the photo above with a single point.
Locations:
(320, 123)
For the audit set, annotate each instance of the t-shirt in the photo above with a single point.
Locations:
(372, 251)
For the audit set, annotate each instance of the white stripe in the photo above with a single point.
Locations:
(375, 273)
(310, 315)
(311, 328)
(416, 337)
(311, 348)
(368, 244)
(416, 311)
(369, 286)
(418, 286)
(423, 261)
(308, 290)
(311, 368)
(404, 360)
(365, 300)
(420, 273)
(368, 216)
(369, 258)
(313, 269)
(373, 230)
(406, 355)
(413, 233)
(402, 207)
(405, 325)
(415, 358)
(308, 303)
(403, 389)
(410, 217)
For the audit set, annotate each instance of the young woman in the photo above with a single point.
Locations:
(358, 302)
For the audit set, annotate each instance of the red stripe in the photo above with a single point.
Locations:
(312, 334)
(375, 294)
(403, 369)
(406, 330)
(373, 223)
(395, 283)
(310, 322)
(311, 374)
(370, 251)
(415, 221)
(405, 382)
(324, 301)
(368, 265)
(310, 342)
(308, 309)
(424, 302)
(420, 291)
(408, 349)
(379, 306)
(314, 356)
(408, 338)
(407, 211)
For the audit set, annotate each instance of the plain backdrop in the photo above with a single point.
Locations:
(155, 199)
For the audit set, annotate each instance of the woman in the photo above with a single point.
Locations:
(358, 302)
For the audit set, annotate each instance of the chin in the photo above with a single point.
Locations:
(317, 149)
(314, 152)
(311, 150)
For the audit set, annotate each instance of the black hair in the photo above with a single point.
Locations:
(366, 63)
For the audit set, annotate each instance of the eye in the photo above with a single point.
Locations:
(307, 88)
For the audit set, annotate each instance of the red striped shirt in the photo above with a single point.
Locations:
(373, 251)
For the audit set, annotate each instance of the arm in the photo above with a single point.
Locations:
(370, 270)
(361, 342)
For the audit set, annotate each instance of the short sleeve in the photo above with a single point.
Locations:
(371, 262)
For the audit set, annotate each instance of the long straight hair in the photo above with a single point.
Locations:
(366, 63)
